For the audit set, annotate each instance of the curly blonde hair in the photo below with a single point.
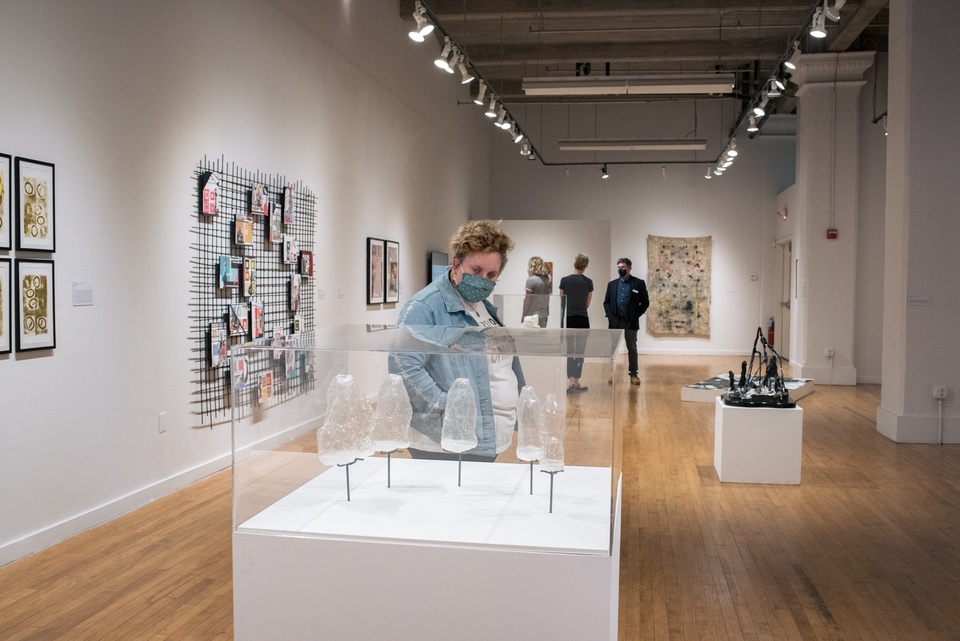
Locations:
(581, 262)
(537, 267)
(477, 236)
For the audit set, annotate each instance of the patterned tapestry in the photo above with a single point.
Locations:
(678, 280)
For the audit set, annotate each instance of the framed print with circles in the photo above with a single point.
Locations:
(36, 205)
(36, 317)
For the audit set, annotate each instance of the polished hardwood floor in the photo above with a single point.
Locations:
(866, 547)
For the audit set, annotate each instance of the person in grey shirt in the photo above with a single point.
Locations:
(577, 292)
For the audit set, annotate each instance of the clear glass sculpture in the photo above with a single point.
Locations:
(347, 430)
(529, 423)
(551, 435)
(391, 424)
(460, 418)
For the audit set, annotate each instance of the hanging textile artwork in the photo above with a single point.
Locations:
(678, 278)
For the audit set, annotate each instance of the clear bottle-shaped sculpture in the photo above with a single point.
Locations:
(347, 430)
(460, 418)
(551, 435)
(529, 424)
(391, 424)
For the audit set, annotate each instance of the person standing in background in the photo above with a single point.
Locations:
(625, 302)
(538, 288)
(577, 292)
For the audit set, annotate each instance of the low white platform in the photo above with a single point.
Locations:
(757, 445)
(427, 560)
(706, 391)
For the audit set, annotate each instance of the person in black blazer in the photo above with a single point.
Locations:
(625, 302)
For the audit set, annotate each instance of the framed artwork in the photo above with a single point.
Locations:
(306, 263)
(392, 272)
(256, 319)
(5, 306)
(229, 273)
(6, 222)
(291, 249)
(239, 320)
(219, 345)
(295, 326)
(374, 271)
(275, 230)
(249, 277)
(209, 192)
(259, 200)
(289, 213)
(436, 265)
(239, 370)
(243, 228)
(266, 386)
(36, 205)
(36, 317)
(294, 292)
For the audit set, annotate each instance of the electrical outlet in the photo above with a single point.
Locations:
(940, 392)
(828, 352)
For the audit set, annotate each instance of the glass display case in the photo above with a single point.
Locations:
(310, 470)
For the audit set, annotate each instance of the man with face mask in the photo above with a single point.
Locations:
(458, 298)
(625, 302)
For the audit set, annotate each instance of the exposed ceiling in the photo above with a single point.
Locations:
(509, 40)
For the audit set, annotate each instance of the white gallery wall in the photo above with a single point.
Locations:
(125, 98)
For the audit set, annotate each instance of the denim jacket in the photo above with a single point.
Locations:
(428, 376)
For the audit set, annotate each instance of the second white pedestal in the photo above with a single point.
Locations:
(758, 444)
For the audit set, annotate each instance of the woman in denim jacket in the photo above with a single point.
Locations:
(458, 298)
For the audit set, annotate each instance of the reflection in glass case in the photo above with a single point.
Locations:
(334, 462)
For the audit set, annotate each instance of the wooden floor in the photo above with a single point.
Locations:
(866, 547)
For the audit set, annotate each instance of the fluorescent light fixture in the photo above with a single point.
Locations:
(424, 26)
(441, 60)
(603, 172)
(818, 28)
(619, 144)
(491, 111)
(709, 83)
(752, 123)
(480, 93)
(833, 12)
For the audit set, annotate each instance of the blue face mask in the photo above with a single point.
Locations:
(474, 289)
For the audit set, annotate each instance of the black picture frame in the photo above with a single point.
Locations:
(36, 215)
(36, 312)
(6, 201)
(6, 306)
(375, 271)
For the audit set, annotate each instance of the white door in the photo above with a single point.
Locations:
(784, 278)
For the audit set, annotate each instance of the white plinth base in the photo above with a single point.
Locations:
(758, 445)
(295, 585)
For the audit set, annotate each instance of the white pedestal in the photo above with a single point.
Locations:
(757, 445)
(494, 564)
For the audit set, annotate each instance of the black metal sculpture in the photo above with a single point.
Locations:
(763, 387)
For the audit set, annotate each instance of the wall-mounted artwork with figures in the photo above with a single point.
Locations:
(36, 205)
(392, 272)
(6, 222)
(374, 271)
(36, 319)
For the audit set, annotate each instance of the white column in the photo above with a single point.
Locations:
(827, 180)
(921, 305)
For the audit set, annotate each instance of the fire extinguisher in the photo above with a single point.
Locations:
(770, 327)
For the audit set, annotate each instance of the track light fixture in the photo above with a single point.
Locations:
(732, 148)
(525, 148)
(833, 12)
(772, 90)
(794, 58)
(424, 26)
(465, 75)
(708, 175)
(752, 123)
(442, 60)
(818, 27)
(759, 111)
(603, 172)
(480, 92)
(491, 111)
(515, 133)
(502, 118)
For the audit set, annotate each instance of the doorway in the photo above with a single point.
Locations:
(783, 279)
